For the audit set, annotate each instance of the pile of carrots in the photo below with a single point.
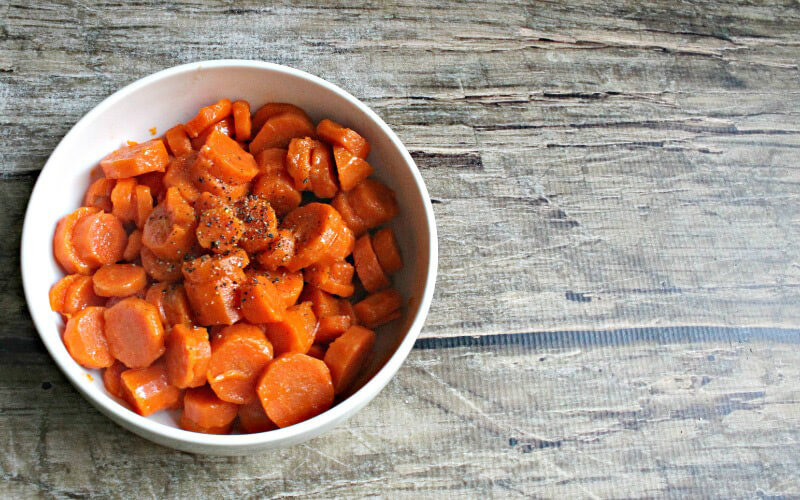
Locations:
(213, 269)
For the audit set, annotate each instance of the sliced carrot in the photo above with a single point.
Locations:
(208, 201)
(99, 194)
(379, 308)
(188, 425)
(205, 409)
(214, 267)
(333, 277)
(99, 239)
(176, 306)
(112, 301)
(278, 130)
(155, 295)
(134, 331)
(138, 159)
(261, 301)
(331, 327)
(143, 206)
(134, 246)
(271, 161)
(295, 332)
(154, 181)
(58, 292)
(122, 199)
(85, 340)
(295, 387)
(351, 169)
(335, 134)
(341, 202)
(208, 116)
(323, 177)
(367, 266)
(119, 280)
(385, 246)
(215, 302)
(288, 284)
(271, 109)
(169, 231)
(219, 229)
(204, 180)
(316, 351)
(260, 223)
(148, 389)
(63, 245)
(178, 141)
(160, 269)
(80, 295)
(253, 418)
(241, 120)
(279, 252)
(224, 126)
(226, 159)
(187, 357)
(346, 356)
(374, 203)
(278, 189)
(179, 176)
(322, 303)
(343, 245)
(96, 173)
(298, 162)
(238, 356)
(112, 380)
(315, 227)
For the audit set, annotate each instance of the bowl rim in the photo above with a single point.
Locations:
(294, 433)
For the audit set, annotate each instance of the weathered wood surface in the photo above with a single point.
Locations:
(593, 165)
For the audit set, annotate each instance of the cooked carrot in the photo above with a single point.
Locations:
(214, 267)
(187, 357)
(80, 295)
(178, 141)
(385, 246)
(85, 340)
(323, 177)
(238, 356)
(204, 180)
(271, 161)
(179, 176)
(99, 194)
(261, 302)
(343, 245)
(271, 109)
(169, 231)
(176, 306)
(316, 351)
(134, 246)
(154, 181)
(278, 130)
(138, 159)
(288, 284)
(134, 331)
(148, 389)
(330, 327)
(341, 202)
(241, 120)
(226, 159)
(143, 206)
(322, 303)
(160, 269)
(335, 134)
(58, 292)
(346, 308)
(346, 356)
(260, 223)
(155, 295)
(112, 380)
(367, 266)
(205, 409)
(295, 387)
(99, 239)
(208, 116)
(278, 189)
(298, 162)
(63, 245)
(316, 227)
(215, 302)
(119, 280)
(96, 173)
(219, 229)
(253, 418)
(224, 126)
(351, 169)
(122, 199)
(188, 425)
(208, 201)
(334, 277)
(279, 252)
(295, 332)
(379, 308)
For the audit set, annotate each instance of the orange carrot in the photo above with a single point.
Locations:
(63, 245)
(144, 205)
(260, 223)
(261, 301)
(208, 116)
(112, 380)
(226, 159)
(178, 141)
(134, 331)
(351, 169)
(278, 189)
(298, 162)
(219, 229)
(58, 292)
(80, 295)
(99, 239)
(271, 161)
(179, 176)
(289, 285)
(188, 425)
(137, 159)
(160, 269)
(271, 109)
(385, 246)
(224, 126)
(379, 308)
(238, 356)
(331, 327)
(346, 356)
(122, 199)
(323, 177)
(241, 120)
(315, 226)
(85, 340)
(187, 356)
(278, 130)
(169, 231)
(335, 277)
(279, 252)
(134, 246)
(295, 387)
(367, 205)
(335, 134)
(119, 280)
(99, 194)
(367, 266)
(148, 389)
(295, 332)
(253, 418)
(202, 407)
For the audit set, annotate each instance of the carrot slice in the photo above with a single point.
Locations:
(226, 160)
(208, 116)
(119, 280)
(224, 126)
(134, 331)
(112, 380)
(208, 201)
(169, 231)
(271, 161)
(341, 202)
(154, 181)
(322, 303)
(122, 199)
(155, 295)
(179, 176)
(374, 203)
(278, 189)
(288, 284)
(204, 180)
(367, 266)
(205, 409)
(99, 239)
(331, 327)
(241, 120)
(295, 387)
(134, 246)
(80, 295)
(346, 356)
(178, 141)
(176, 305)
(99, 194)
(137, 159)
(343, 245)
(295, 332)
(148, 389)
(58, 292)
(332, 277)
(219, 230)
(323, 177)
(351, 169)
(215, 302)
(63, 246)
(214, 267)
(379, 308)
(261, 301)
(188, 425)
(187, 357)
(112, 301)
(298, 162)
(253, 418)
(337, 135)
(271, 109)
(315, 227)
(278, 130)
(85, 340)
(144, 205)
(260, 223)
(238, 356)
(279, 252)
(317, 351)
(385, 246)
(160, 269)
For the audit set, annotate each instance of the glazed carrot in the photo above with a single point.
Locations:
(85, 340)
(288, 284)
(119, 280)
(96, 173)
(204, 180)
(278, 130)
(188, 425)
(379, 308)
(298, 162)
(238, 356)
(335, 277)
(331, 327)
(155, 295)
(215, 302)
(322, 303)
(58, 292)
(241, 120)
(112, 380)
(176, 305)
(208, 201)
(202, 407)
(323, 177)
(337, 135)
(160, 269)
(317, 351)
(341, 202)
(271, 160)
(278, 189)
(385, 246)
(367, 266)
(208, 116)
(80, 295)
(295, 387)
(154, 181)
(346, 356)
(253, 418)
(260, 223)
(271, 109)
(214, 267)
(226, 160)
(148, 389)
(187, 357)
(315, 227)
(374, 203)
(178, 141)
(143, 206)
(99, 194)
(169, 231)
(63, 246)
(134, 331)
(137, 159)
(343, 245)
(122, 200)
(219, 229)
(179, 176)
(261, 301)
(224, 126)
(279, 252)
(134, 246)
(351, 169)
(295, 332)
(99, 239)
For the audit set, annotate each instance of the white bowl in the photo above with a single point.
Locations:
(174, 96)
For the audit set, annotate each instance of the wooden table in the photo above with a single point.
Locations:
(617, 191)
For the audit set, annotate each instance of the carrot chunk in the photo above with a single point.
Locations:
(58, 292)
(160, 269)
(119, 280)
(238, 356)
(271, 109)
(219, 230)
(368, 267)
(331, 327)
(379, 308)
(337, 135)
(288, 284)
(241, 120)
(133, 247)
(169, 231)
(137, 159)
(271, 160)
(346, 356)
(279, 252)
(144, 205)
(99, 239)
(134, 331)
(148, 389)
(367, 205)
(298, 162)
(261, 301)
(63, 245)
(187, 356)
(189, 425)
(385, 246)
(224, 126)
(202, 407)
(253, 418)
(122, 199)
(278, 130)
(295, 332)
(323, 176)
(334, 277)
(85, 340)
(112, 380)
(178, 141)
(295, 387)
(208, 116)
(278, 189)
(80, 295)
(179, 176)
(351, 169)
(226, 160)
(99, 194)
(315, 226)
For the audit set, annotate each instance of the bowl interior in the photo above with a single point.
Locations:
(174, 96)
